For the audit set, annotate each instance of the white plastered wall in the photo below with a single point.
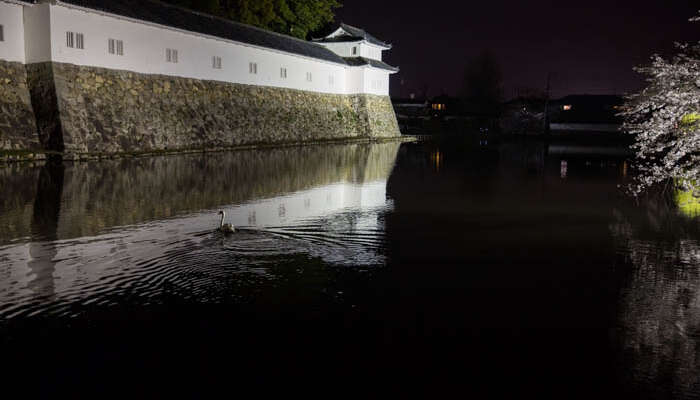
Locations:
(355, 80)
(37, 33)
(376, 81)
(12, 47)
(343, 49)
(370, 51)
(145, 48)
(364, 49)
(368, 80)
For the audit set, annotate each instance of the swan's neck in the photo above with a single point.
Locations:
(221, 225)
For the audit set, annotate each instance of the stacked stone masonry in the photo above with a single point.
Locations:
(18, 129)
(78, 109)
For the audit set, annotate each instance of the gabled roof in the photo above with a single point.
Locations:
(347, 33)
(361, 61)
(181, 18)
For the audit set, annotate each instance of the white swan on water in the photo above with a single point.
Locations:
(225, 228)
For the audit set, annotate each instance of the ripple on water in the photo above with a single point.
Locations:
(174, 259)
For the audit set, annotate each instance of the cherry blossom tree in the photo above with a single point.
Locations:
(664, 118)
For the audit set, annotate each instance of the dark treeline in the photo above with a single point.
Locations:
(297, 18)
(482, 88)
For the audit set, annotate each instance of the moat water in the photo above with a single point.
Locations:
(496, 269)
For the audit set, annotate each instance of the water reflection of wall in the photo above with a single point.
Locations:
(318, 202)
(47, 206)
(18, 185)
(659, 314)
(324, 201)
(98, 195)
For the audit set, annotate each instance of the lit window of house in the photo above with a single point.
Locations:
(283, 73)
(115, 46)
(309, 78)
(566, 107)
(2, 33)
(252, 68)
(216, 62)
(171, 55)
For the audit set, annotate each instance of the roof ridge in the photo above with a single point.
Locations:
(353, 27)
(226, 27)
(230, 21)
(371, 62)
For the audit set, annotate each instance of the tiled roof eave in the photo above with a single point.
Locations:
(20, 2)
(354, 31)
(389, 68)
(282, 43)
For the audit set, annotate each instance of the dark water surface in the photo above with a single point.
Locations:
(378, 270)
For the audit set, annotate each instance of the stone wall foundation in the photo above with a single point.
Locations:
(18, 129)
(78, 109)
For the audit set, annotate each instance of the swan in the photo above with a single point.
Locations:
(225, 228)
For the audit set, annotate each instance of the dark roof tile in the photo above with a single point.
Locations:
(361, 33)
(180, 18)
(360, 61)
(354, 34)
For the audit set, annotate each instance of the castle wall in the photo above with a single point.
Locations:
(87, 100)
(145, 52)
(12, 43)
(106, 111)
(18, 129)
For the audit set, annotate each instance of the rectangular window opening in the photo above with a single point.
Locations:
(2, 33)
(111, 46)
(79, 41)
(216, 62)
(171, 55)
(354, 51)
(253, 68)
(309, 78)
(70, 39)
(120, 47)
(283, 73)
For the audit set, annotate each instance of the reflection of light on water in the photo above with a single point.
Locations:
(340, 223)
(319, 202)
(624, 169)
(563, 166)
(142, 229)
(436, 158)
(659, 310)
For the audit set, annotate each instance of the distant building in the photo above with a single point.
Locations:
(442, 105)
(585, 113)
(410, 107)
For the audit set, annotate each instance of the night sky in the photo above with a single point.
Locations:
(589, 47)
